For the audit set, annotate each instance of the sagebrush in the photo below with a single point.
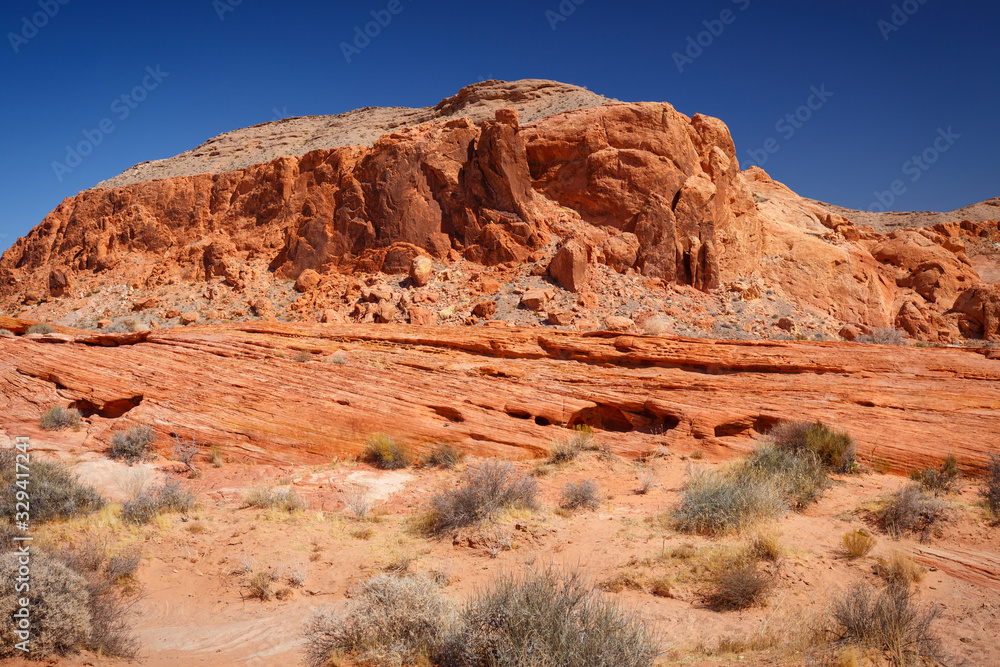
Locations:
(133, 445)
(58, 418)
(484, 490)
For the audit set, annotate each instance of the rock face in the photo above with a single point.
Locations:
(635, 187)
(503, 391)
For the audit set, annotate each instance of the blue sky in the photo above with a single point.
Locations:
(887, 81)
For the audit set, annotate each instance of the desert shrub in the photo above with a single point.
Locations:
(911, 510)
(75, 603)
(647, 481)
(382, 451)
(40, 328)
(547, 617)
(53, 493)
(57, 418)
(857, 543)
(991, 486)
(215, 456)
(6, 333)
(887, 621)
(121, 566)
(834, 448)
(722, 501)
(287, 500)
(801, 475)
(358, 502)
(444, 456)
(884, 336)
(149, 503)
(898, 569)
(302, 356)
(582, 495)
(655, 326)
(740, 584)
(943, 479)
(582, 439)
(60, 618)
(260, 586)
(483, 492)
(388, 620)
(133, 445)
(185, 451)
(563, 452)
(765, 546)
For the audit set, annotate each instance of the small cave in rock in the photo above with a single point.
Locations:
(605, 418)
(451, 414)
(746, 425)
(110, 409)
(542, 421)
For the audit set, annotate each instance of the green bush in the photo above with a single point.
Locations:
(133, 445)
(40, 328)
(801, 476)
(483, 492)
(835, 449)
(382, 451)
(57, 418)
(53, 491)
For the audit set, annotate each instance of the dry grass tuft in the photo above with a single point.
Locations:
(857, 543)
(269, 498)
(383, 451)
(898, 569)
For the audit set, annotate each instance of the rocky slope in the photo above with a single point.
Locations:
(587, 198)
(242, 148)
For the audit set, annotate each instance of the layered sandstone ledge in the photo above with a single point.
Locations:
(506, 392)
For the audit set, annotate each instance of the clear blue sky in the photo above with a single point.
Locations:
(892, 90)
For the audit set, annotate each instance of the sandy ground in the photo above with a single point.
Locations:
(196, 610)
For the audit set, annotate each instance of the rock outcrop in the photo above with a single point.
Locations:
(637, 187)
(504, 391)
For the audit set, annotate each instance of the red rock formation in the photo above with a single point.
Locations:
(502, 391)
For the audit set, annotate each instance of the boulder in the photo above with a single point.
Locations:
(307, 280)
(618, 323)
(569, 266)
(485, 309)
(536, 299)
(421, 270)
(190, 317)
